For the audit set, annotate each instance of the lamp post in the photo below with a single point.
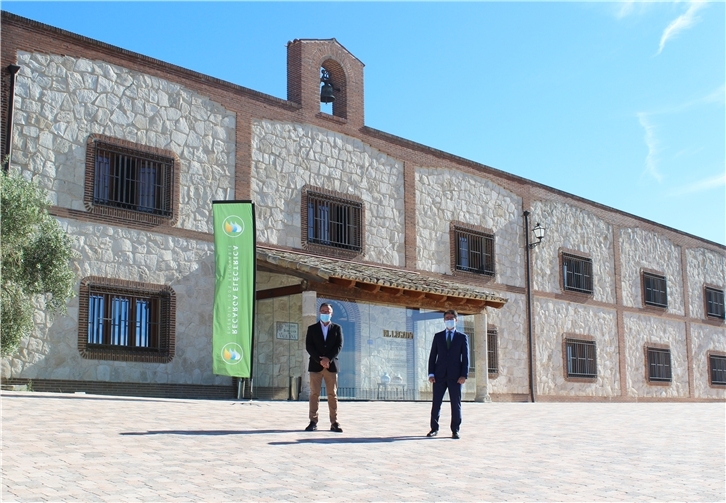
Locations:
(539, 233)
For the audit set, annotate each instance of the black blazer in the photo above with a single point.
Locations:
(316, 346)
(449, 363)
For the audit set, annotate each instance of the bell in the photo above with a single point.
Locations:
(326, 93)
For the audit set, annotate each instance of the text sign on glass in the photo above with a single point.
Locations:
(287, 331)
(398, 334)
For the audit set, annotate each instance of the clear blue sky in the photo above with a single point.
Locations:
(620, 103)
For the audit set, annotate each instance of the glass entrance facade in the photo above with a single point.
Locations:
(385, 350)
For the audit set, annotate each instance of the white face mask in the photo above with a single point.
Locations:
(450, 324)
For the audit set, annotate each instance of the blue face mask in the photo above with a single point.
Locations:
(325, 318)
(450, 324)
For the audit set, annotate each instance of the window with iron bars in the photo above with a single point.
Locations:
(474, 252)
(655, 290)
(125, 319)
(334, 222)
(581, 358)
(577, 273)
(659, 364)
(492, 359)
(715, 303)
(717, 364)
(133, 180)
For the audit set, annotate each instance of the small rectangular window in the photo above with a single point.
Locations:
(334, 222)
(715, 303)
(120, 320)
(581, 361)
(659, 364)
(655, 291)
(492, 360)
(577, 273)
(474, 252)
(717, 364)
(133, 180)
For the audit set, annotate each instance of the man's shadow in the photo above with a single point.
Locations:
(316, 440)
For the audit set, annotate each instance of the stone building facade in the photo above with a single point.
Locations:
(608, 306)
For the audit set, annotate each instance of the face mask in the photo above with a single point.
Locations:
(325, 318)
(450, 324)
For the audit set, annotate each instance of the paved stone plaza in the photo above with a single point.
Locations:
(63, 447)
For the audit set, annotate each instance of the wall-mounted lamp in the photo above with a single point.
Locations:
(326, 91)
(539, 233)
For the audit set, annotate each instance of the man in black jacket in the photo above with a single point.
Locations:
(323, 342)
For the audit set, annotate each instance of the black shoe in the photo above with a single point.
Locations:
(432, 433)
(455, 435)
(312, 426)
(336, 428)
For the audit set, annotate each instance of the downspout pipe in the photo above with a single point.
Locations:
(527, 250)
(13, 70)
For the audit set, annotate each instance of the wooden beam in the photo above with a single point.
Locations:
(345, 283)
(392, 290)
(413, 294)
(282, 291)
(368, 287)
(436, 296)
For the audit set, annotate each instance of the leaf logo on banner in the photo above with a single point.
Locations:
(232, 353)
(233, 226)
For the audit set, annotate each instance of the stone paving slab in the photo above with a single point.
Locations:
(65, 447)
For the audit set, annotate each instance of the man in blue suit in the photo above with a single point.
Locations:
(448, 369)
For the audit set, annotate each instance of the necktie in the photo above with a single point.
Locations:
(448, 339)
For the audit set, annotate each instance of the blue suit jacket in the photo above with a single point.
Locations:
(449, 363)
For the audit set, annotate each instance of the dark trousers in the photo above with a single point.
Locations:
(455, 397)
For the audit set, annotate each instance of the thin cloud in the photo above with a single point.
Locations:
(652, 144)
(704, 185)
(682, 22)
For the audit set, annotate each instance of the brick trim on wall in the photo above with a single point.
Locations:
(167, 329)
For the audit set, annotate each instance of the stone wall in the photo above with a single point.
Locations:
(704, 267)
(186, 265)
(287, 156)
(446, 195)
(641, 250)
(60, 101)
(573, 229)
(510, 322)
(705, 338)
(559, 320)
(642, 330)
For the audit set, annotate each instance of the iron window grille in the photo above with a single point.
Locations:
(659, 364)
(581, 358)
(715, 303)
(474, 252)
(128, 320)
(492, 360)
(717, 364)
(656, 292)
(577, 273)
(334, 222)
(133, 180)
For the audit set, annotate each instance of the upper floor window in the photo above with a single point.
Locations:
(334, 221)
(581, 361)
(714, 303)
(474, 251)
(655, 292)
(576, 273)
(133, 180)
(659, 364)
(717, 366)
(121, 319)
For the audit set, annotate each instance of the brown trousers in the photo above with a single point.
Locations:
(331, 386)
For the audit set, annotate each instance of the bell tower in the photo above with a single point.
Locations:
(325, 70)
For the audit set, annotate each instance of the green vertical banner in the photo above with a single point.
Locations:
(234, 290)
